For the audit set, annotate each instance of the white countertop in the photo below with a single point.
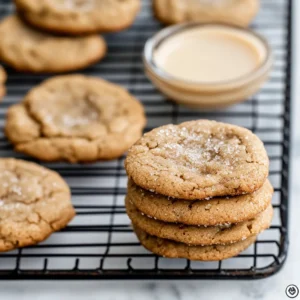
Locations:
(272, 288)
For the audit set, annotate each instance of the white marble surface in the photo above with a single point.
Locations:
(271, 288)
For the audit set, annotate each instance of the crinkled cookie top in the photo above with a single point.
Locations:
(34, 202)
(198, 159)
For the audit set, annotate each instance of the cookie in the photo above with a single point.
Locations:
(2, 82)
(235, 12)
(200, 235)
(2, 75)
(211, 212)
(34, 203)
(198, 160)
(79, 16)
(27, 49)
(173, 249)
(75, 118)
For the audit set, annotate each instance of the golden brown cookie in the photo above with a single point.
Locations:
(210, 212)
(34, 202)
(27, 49)
(235, 12)
(75, 118)
(197, 160)
(2, 82)
(200, 235)
(2, 75)
(173, 249)
(79, 16)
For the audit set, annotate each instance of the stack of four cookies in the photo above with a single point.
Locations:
(198, 190)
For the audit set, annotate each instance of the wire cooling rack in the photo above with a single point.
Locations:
(99, 243)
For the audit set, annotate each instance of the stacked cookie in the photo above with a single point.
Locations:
(198, 190)
(74, 17)
(30, 40)
(2, 82)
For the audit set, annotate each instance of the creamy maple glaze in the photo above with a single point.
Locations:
(210, 54)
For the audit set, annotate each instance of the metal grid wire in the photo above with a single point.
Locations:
(99, 243)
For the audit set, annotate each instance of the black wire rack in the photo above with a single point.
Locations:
(99, 243)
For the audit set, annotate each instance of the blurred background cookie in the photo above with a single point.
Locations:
(26, 49)
(78, 16)
(77, 119)
(235, 12)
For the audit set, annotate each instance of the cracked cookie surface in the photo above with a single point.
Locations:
(79, 16)
(235, 12)
(34, 202)
(27, 49)
(201, 212)
(200, 235)
(2, 82)
(75, 118)
(197, 160)
(171, 249)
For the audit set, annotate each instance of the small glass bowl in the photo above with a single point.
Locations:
(200, 94)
